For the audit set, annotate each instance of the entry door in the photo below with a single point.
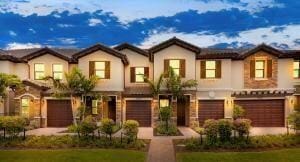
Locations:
(112, 108)
(182, 108)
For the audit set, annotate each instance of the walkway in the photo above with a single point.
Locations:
(161, 150)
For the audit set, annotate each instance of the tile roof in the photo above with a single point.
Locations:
(133, 48)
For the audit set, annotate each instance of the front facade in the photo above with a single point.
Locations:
(263, 80)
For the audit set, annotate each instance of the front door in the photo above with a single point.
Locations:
(112, 108)
(182, 111)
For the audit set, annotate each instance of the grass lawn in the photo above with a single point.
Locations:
(66, 155)
(285, 155)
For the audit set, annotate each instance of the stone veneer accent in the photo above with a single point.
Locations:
(252, 83)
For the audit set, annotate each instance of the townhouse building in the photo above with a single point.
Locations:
(263, 80)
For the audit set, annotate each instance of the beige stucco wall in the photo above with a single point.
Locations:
(175, 52)
(237, 74)
(6, 67)
(48, 60)
(219, 83)
(136, 60)
(19, 69)
(116, 81)
(22, 70)
(285, 73)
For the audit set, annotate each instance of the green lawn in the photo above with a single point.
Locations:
(86, 155)
(286, 155)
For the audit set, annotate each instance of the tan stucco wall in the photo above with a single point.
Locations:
(136, 60)
(237, 75)
(48, 60)
(19, 69)
(175, 52)
(6, 67)
(116, 81)
(285, 73)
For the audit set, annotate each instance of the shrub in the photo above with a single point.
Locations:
(242, 126)
(211, 130)
(225, 129)
(13, 124)
(294, 120)
(161, 129)
(238, 112)
(130, 128)
(165, 115)
(107, 126)
(85, 127)
(199, 130)
(194, 124)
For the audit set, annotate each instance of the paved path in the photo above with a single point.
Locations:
(161, 150)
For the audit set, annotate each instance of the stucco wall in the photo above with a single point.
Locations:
(48, 60)
(136, 60)
(116, 81)
(7, 67)
(237, 74)
(285, 73)
(175, 52)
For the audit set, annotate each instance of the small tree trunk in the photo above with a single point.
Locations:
(73, 110)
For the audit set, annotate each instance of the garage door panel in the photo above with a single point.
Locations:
(139, 110)
(264, 113)
(59, 113)
(210, 109)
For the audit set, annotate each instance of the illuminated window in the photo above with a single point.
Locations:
(210, 69)
(95, 107)
(296, 69)
(25, 107)
(100, 69)
(164, 102)
(259, 68)
(175, 65)
(39, 71)
(139, 74)
(57, 71)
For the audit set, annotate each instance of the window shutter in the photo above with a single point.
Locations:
(269, 68)
(202, 69)
(146, 72)
(91, 68)
(218, 69)
(182, 68)
(166, 67)
(252, 69)
(132, 74)
(107, 70)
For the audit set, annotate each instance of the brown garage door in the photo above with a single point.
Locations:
(139, 110)
(210, 109)
(59, 113)
(264, 113)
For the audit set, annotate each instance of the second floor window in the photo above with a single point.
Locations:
(57, 71)
(296, 72)
(259, 68)
(175, 65)
(178, 65)
(39, 71)
(137, 74)
(100, 69)
(210, 69)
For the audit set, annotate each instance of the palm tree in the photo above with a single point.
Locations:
(76, 84)
(155, 85)
(8, 81)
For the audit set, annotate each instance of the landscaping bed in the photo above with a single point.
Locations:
(173, 133)
(69, 141)
(254, 143)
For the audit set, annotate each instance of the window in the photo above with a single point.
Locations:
(100, 69)
(164, 102)
(259, 68)
(39, 71)
(57, 71)
(25, 107)
(139, 74)
(94, 107)
(296, 69)
(175, 65)
(210, 69)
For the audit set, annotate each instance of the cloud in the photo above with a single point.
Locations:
(67, 41)
(287, 36)
(134, 9)
(32, 30)
(65, 25)
(94, 22)
(12, 33)
(16, 45)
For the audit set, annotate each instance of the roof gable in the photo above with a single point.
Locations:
(262, 47)
(132, 48)
(42, 52)
(101, 47)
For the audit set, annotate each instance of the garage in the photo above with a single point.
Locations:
(264, 113)
(139, 110)
(59, 113)
(210, 109)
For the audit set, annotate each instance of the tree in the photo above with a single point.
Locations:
(155, 85)
(76, 84)
(175, 85)
(8, 81)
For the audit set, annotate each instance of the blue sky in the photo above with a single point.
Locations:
(206, 23)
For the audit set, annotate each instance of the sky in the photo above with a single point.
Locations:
(144, 23)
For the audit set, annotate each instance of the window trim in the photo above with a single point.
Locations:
(298, 77)
(34, 71)
(135, 74)
(53, 72)
(179, 68)
(95, 70)
(215, 70)
(264, 69)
